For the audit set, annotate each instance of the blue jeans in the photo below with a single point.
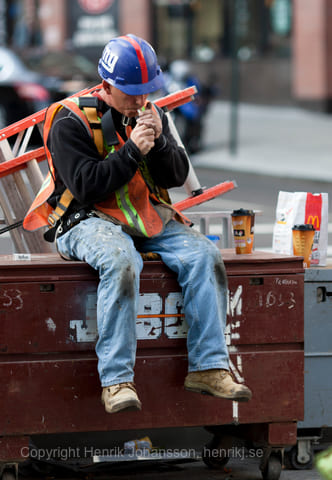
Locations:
(201, 275)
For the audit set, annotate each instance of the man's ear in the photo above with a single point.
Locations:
(107, 87)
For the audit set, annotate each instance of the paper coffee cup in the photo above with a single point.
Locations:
(243, 222)
(303, 239)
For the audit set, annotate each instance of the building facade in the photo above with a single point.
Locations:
(279, 48)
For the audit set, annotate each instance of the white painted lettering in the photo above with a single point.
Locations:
(234, 302)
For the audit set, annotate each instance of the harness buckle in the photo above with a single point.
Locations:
(53, 218)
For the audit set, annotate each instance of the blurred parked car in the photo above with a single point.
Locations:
(29, 85)
(22, 91)
(74, 71)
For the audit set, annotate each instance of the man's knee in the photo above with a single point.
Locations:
(212, 258)
(127, 278)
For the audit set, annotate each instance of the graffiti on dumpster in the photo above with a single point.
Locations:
(237, 371)
(289, 282)
(234, 302)
(262, 299)
(175, 327)
(236, 368)
(151, 322)
(51, 326)
(276, 299)
(11, 298)
(148, 325)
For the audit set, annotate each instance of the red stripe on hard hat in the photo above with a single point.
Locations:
(140, 56)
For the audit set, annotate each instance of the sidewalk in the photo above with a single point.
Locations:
(278, 141)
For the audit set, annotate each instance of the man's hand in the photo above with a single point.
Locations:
(148, 128)
(151, 118)
(143, 137)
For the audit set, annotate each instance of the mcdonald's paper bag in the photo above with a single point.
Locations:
(298, 208)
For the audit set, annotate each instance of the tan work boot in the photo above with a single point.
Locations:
(217, 382)
(120, 397)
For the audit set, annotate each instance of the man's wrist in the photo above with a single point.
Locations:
(160, 143)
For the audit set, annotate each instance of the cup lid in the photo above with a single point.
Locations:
(304, 226)
(242, 211)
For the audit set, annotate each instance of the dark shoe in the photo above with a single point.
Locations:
(120, 397)
(217, 382)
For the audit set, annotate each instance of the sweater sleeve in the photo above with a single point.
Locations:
(167, 162)
(79, 166)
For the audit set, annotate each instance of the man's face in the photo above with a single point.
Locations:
(123, 103)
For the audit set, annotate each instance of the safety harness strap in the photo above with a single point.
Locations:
(89, 105)
(61, 208)
(91, 114)
(108, 128)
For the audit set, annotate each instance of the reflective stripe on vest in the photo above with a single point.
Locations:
(133, 203)
(123, 201)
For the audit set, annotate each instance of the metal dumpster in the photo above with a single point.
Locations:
(48, 366)
(318, 364)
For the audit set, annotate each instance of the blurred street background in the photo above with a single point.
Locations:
(262, 69)
(279, 148)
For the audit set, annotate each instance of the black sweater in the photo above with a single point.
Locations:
(91, 179)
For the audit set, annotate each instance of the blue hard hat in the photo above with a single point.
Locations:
(130, 64)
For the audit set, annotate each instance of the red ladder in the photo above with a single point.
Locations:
(21, 175)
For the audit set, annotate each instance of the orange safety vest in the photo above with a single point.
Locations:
(131, 205)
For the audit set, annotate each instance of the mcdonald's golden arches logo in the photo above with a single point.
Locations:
(314, 220)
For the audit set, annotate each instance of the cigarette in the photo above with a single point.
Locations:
(147, 106)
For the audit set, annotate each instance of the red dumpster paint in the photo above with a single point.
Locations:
(48, 365)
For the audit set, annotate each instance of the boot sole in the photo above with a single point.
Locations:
(126, 406)
(203, 389)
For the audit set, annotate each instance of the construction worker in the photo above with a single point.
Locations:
(118, 211)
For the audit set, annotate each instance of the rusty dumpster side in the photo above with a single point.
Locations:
(48, 365)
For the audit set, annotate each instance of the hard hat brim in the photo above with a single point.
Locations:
(140, 88)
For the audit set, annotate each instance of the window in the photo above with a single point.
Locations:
(202, 29)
